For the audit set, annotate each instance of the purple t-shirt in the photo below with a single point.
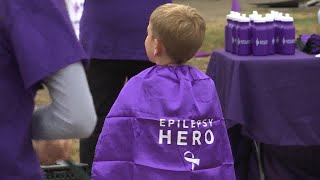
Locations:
(36, 40)
(116, 29)
(165, 124)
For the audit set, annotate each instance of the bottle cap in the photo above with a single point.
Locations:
(287, 19)
(278, 17)
(228, 16)
(269, 18)
(244, 19)
(259, 20)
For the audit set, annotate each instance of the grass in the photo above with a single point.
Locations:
(305, 22)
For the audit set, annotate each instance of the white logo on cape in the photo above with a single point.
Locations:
(187, 133)
(192, 159)
(174, 133)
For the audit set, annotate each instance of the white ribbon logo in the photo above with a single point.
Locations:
(192, 159)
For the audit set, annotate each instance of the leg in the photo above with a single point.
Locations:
(291, 162)
(243, 154)
(106, 78)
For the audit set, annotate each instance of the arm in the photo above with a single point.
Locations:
(71, 113)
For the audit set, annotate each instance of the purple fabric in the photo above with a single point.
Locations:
(202, 54)
(131, 145)
(36, 40)
(313, 44)
(274, 98)
(116, 29)
(305, 37)
(236, 6)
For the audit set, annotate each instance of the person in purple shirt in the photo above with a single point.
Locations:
(38, 47)
(112, 32)
(166, 123)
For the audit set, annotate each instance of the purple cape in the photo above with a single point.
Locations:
(166, 124)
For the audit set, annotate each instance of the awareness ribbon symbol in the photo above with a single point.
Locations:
(192, 159)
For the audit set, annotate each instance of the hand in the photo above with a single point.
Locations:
(50, 151)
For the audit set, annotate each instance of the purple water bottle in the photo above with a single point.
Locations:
(271, 34)
(244, 37)
(252, 16)
(259, 37)
(278, 33)
(234, 33)
(227, 34)
(288, 36)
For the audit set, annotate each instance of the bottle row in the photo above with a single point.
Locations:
(260, 35)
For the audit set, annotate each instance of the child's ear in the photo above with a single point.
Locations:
(157, 47)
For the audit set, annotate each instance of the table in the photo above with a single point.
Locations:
(271, 104)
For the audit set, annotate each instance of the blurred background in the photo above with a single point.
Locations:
(214, 11)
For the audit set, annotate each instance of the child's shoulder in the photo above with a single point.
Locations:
(197, 74)
(184, 71)
(145, 72)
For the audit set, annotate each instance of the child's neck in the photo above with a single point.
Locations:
(166, 61)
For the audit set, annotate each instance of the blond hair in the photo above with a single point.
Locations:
(180, 28)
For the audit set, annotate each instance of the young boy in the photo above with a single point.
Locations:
(167, 121)
(112, 32)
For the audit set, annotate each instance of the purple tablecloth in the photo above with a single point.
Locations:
(275, 101)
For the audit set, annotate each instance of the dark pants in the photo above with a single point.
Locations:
(291, 162)
(246, 163)
(106, 79)
(275, 162)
